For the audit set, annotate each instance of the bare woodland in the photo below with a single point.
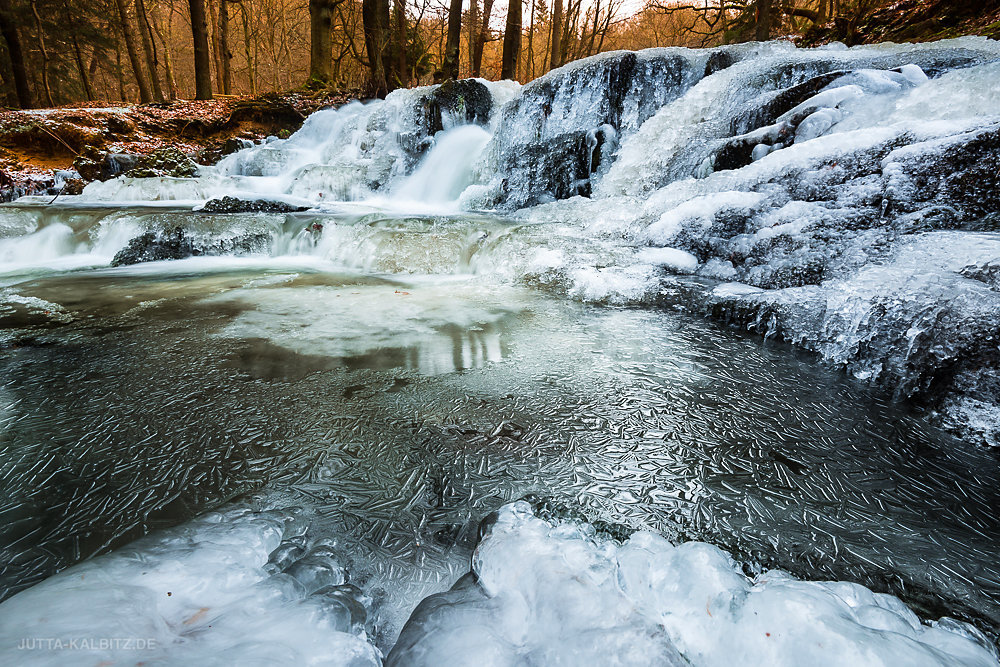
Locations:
(56, 52)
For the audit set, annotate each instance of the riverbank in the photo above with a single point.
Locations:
(53, 151)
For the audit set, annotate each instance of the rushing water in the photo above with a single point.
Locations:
(377, 376)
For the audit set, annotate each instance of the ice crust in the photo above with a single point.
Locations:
(554, 593)
(255, 587)
(205, 594)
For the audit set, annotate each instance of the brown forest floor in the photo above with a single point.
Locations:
(912, 21)
(36, 142)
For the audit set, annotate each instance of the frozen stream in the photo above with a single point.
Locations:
(431, 381)
(397, 411)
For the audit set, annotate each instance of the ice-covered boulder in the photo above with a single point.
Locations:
(556, 593)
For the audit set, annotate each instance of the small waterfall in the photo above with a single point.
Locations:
(448, 168)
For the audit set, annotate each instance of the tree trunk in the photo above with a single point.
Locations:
(375, 17)
(212, 20)
(88, 89)
(529, 66)
(762, 31)
(473, 25)
(168, 65)
(451, 50)
(320, 45)
(121, 72)
(247, 47)
(226, 75)
(133, 55)
(511, 41)
(149, 48)
(202, 65)
(484, 34)
(9, 30)
(45, 54)
(401, 75)
(555, 58)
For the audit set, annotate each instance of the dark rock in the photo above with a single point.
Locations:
(177, 243)
(962, 173)
(465, 101)
(167, 161)
(120, 126)
(98, 165)
(552, 169)
(271, 109)
(73, 186)
(234, 205)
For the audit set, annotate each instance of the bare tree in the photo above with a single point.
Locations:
(149, 48)
(482, 38)
(375, 16)
(202, 67)
(511, 41)
(555, 59)
(133, 54)
(451, 59)
(8, 28)
(320, 35)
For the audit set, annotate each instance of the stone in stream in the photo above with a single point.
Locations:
(230, 204)
(178, 243)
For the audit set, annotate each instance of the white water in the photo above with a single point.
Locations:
(447, 170)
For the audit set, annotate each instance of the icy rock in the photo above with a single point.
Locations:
(197, 594)
(318, 569)
(562, 114)
(549, 592)
(167, 161)
(200, 235)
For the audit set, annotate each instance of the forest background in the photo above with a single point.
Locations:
(60, 52)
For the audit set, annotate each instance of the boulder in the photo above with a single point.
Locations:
(178, 243)
(167, 161)
(234, 205)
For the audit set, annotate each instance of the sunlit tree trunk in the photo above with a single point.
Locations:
(451, 58)
(249, 45)
(85, 78)
(212, 20)
(511, 41)
(484, 34)
(226, 75)
(762, 32)
(202, 66)
(168, 64)
(320, 46)
(121, 72)
(555, 58)
(149, 48)
(133, 54)
(14, 51)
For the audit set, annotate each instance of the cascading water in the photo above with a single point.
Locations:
(369, 351)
